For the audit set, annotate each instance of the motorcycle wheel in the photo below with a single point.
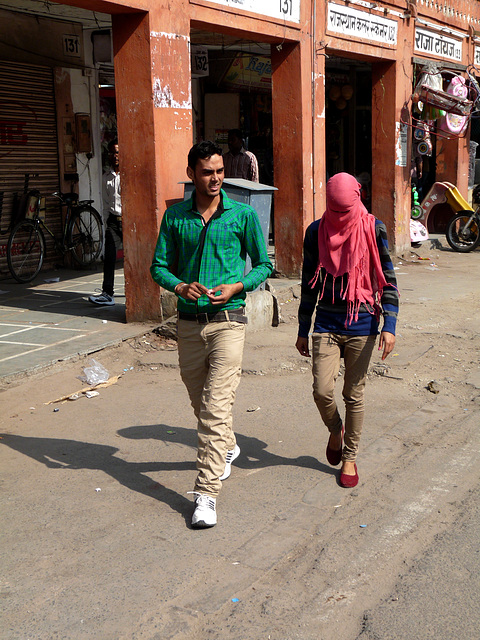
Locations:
(460, 239)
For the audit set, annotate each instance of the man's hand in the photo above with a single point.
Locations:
(302, 347)
(191, 291)
(225, 291)
(387, 342)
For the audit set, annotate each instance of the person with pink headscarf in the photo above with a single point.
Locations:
(348, 282)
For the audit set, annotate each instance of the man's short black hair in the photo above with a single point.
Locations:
(111, 144)
(235, 132)
(203, 151)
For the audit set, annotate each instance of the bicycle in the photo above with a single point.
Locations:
(82, 236)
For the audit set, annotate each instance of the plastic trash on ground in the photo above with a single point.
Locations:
(95, 373)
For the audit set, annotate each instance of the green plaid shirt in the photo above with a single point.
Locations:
(188, 250)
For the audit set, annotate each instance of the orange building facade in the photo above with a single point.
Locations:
(342, 76)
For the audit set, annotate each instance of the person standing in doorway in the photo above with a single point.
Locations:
(348, 281)
(238, 162)
(112, 213)
(200, 255)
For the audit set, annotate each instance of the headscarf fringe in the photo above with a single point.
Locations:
(313, 281)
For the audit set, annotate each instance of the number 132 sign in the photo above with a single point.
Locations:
(281, 9)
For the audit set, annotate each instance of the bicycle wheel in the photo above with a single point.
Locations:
(460, 238)
(25, 251)
(85, 236)
(416, 212)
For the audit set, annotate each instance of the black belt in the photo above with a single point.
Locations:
(232, 315)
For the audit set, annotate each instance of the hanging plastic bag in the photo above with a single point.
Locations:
(430, 77)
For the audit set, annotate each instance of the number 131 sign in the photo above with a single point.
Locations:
(281, 9)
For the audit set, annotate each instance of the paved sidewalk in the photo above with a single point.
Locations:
(51, 319)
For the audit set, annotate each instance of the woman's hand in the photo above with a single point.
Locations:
(302, 347)
(387, 342)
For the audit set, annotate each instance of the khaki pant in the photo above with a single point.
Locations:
(210, 358)
(327, 350)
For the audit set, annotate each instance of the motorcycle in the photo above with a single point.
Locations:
(463, 229)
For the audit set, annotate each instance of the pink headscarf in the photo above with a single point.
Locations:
(347, 246)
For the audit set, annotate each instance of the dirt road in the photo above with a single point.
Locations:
(96, 542)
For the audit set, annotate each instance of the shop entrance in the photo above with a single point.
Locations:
(348, 120)
(232, 89)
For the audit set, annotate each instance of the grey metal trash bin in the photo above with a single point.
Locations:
(259, 196)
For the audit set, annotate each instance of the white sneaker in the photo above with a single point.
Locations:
(231, 456)
(103, 300)
(205, 514)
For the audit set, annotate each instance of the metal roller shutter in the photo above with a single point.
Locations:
(28, 144)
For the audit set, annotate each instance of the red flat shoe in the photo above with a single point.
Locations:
(348, 482)
(334, 456)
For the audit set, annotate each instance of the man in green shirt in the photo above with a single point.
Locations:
(200, 255)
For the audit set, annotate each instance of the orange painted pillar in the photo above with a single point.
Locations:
(390, 180)
(319, 150)
(319, 109)
(292, 150)
(154, 117)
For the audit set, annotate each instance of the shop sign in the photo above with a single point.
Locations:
(280, 9)
(437, 44)
(221, 136)
(12, 133)
(249, 70)
(360, 24)
(477, 56)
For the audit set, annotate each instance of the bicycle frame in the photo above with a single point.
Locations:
(60, 243)
(34, 215)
